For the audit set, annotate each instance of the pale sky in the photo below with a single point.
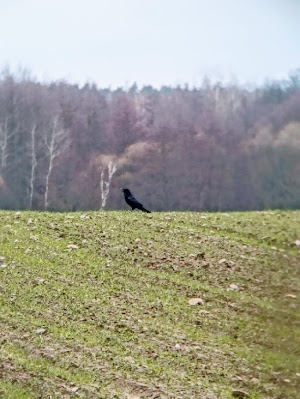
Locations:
(118, 42)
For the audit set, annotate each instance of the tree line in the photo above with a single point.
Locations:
(213, 147)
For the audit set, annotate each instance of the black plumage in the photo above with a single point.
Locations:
(133, 202)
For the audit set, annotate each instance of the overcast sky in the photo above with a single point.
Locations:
(117, 42)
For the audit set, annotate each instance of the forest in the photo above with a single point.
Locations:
(216, 147)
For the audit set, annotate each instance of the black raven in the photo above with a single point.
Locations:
(131, 201)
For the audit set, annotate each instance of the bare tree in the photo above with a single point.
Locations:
(56, 144)
(105, 184)
(33, 165)
(5, 135)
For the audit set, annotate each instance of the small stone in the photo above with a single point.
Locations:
(231, 304)
(222, 261)
(40, 331)
(17, 214)
(72, 246)
(233, 287)
(196, 301)
(177, 347)
(291, 296)
(297, 243)
(239, 378)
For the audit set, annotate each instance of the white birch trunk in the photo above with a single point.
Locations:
(105, 185)
(33, 166)
(48, 177)
(59, 142)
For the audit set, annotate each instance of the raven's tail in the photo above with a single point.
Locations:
(145, 210)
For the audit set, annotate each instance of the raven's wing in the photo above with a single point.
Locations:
(134, 202)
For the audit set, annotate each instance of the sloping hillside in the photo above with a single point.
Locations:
(167, 305)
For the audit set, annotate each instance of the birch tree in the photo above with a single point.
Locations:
(109, 170)
(33, 165)
(57, 143)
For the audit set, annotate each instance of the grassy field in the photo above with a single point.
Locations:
(97, 305)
